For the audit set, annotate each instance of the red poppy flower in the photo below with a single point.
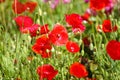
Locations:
(42, 46)
(31, 6)
(32, 30)
(58, 36)
(44, 29)
(98, 4)
(26, 25)
(113, 49)
(107, 26)
(72, 47)
(24, 21)
(2, 1)
(75, 20)
(78, 70)
(18, 7)
(79, 29)
(46, 71)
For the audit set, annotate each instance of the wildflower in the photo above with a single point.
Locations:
(19, 7)
(26, 25)
(32, 30)
(75, 20)
(54, 3)
(24, 21)
(113, 49)
(72, 47)
(78, 70)
(66, 1)
(44, 29)
(42, 46)
(46, 71)
(79, 29)
(98, 4)
(30, 6)
(58, 36)
(107, 26)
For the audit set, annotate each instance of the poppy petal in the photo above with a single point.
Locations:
(24, 21)
(42, 46)
(78, 70)
(58, 36)
(31, 6)
(46, 71)
(72, 47)
(44, 29)
(73, 19)
(18, 7)
(98, 4)
(113, 49)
